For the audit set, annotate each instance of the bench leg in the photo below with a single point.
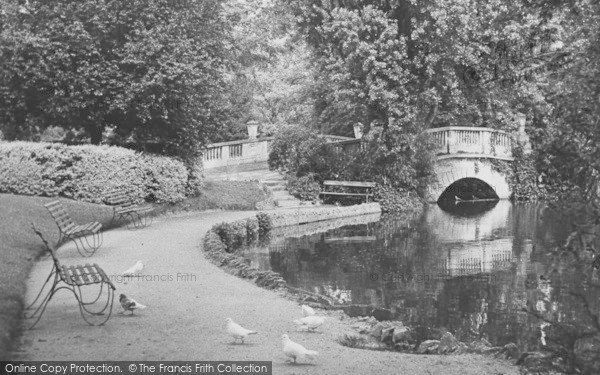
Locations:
(83, 310)
(109, 304)
(42, 307)
(52, 273)
(143, 220)
(84, 305)
(87, 248)
(39, 311)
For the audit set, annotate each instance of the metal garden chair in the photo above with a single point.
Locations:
(74, 278)
(68, 230)
(126, 207)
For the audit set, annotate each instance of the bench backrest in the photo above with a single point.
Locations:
(349, 183)
(119, 197)
(62, 218)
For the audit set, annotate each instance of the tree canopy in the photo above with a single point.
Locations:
(152, 70)
(400, 67)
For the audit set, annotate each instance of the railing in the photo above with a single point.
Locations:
(337, 138)
(237, 152)
(472, 142)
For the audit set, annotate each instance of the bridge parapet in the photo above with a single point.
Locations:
(471, 142)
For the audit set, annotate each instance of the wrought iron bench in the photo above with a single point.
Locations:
(68, 230)
(126, 207)
(349, 188)
(73, 278)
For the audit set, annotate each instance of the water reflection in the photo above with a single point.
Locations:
(470, 271)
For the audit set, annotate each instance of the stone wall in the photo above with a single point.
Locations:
(323, 226)
(304, 215)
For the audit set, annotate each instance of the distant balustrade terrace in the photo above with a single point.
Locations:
(236, 152)
(451, 141)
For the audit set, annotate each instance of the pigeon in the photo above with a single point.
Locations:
(295, 350)
(307, 310)
(135, 269)
(129, 303)
(310, 322)
(237, 331)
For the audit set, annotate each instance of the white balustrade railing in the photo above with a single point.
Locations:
(237, 152)
(467, 141)
(472, 141)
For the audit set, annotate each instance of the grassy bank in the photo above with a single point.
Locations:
(19, 247)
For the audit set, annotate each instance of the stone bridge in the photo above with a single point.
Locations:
(465, 153)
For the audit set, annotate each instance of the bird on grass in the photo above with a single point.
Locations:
(135, 269)
(129, 304)
(307, 310)
(311, 322)
(237, 331)
(295, 350)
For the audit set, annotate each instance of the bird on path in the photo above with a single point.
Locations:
(307, 310)
(295, 350)
(311, 322)
(135, 269)
(129, 304)
(237, 331)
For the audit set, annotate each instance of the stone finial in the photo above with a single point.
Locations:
(252, 129)
(358, 130)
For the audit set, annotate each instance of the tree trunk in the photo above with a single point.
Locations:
(96, 135)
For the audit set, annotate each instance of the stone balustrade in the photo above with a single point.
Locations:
(459, 141)
(236, 152)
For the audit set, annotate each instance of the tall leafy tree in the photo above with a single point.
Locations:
(400, 67)
(150, 69)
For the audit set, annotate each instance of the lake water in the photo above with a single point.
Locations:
(468, 268)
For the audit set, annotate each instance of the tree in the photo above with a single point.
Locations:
(569, 136)
(269, 69)
(150, 69)
(400, 67)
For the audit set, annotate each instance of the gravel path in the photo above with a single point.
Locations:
(188, 300)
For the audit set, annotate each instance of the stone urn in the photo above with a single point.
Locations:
(358, 130)
(252, 129)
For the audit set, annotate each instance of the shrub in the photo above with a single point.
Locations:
(304, 188)
(251, 230)
(88, 172)
(395, 201)
(233, 235)
(264, 225)
(300, 151)
(224, 239)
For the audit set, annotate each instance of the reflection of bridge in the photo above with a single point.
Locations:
(476, 244)
(487, 225)
(465, 152)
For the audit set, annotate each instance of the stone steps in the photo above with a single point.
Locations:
(288, 203)
(274, 181)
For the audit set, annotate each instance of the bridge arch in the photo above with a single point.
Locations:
(449, 171)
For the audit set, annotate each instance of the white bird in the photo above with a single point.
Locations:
(307, 310)
(237, 331)
(295, 350)
(311, 322)
(135, 269)
(129, 304)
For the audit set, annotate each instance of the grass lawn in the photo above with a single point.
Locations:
(19, 246)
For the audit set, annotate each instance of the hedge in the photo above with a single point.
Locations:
(222, 241)
(88, 173)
